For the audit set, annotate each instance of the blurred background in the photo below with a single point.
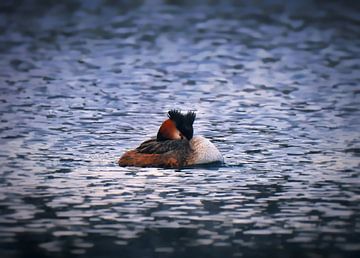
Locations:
(275, 85)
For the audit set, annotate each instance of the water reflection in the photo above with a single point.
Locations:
(274, 85)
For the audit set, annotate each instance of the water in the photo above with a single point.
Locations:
(275, 87)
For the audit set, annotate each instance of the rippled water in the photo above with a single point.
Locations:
(276, 87)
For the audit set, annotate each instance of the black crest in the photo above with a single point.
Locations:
(184, 123)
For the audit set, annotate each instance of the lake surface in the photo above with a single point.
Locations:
(276, 87)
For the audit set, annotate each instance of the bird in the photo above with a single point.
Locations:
(174, 146)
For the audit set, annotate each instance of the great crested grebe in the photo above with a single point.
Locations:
(174, 146)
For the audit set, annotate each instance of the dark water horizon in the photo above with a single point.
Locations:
(275, 85)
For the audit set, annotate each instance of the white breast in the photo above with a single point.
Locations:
(205, 151)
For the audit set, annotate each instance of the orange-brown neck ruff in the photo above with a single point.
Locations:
(168, 131)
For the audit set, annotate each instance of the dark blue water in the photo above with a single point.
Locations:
(276, 86)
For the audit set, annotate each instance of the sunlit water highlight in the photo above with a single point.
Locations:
(275, 87)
